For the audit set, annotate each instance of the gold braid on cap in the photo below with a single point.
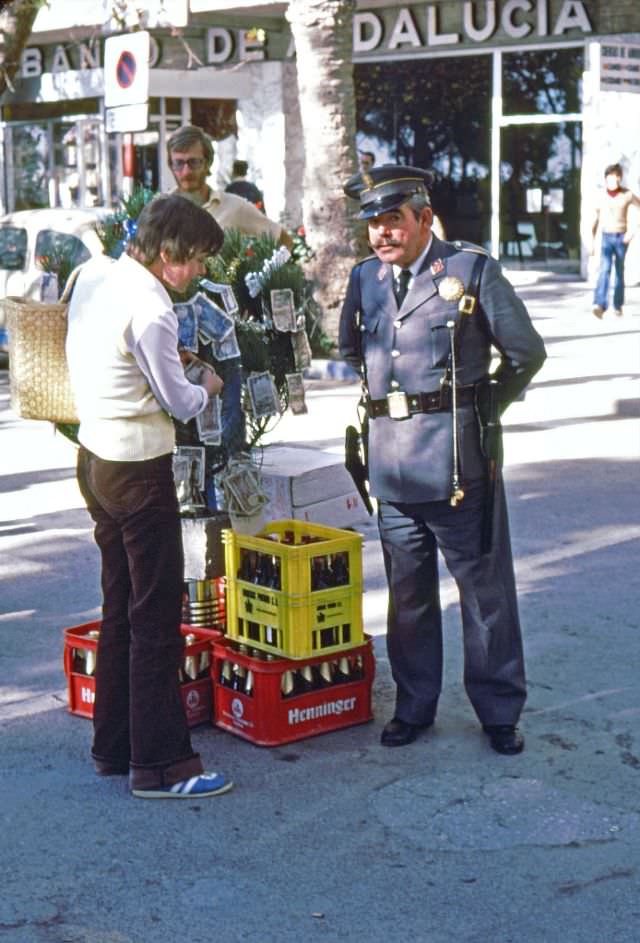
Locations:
(374, 186)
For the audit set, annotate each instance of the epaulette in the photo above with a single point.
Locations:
(469, 247)
(367, 259)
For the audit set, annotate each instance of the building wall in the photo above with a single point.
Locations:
(611, 120)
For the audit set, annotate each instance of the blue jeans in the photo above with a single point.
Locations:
(139, 720)
(612, 253)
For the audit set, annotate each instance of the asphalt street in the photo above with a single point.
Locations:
(336, 838)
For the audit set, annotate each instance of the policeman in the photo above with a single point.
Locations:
(419, 321)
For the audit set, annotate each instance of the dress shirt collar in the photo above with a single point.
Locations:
(416, 265)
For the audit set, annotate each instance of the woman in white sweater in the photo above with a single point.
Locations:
(128, 381)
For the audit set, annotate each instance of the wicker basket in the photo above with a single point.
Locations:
(38, 372)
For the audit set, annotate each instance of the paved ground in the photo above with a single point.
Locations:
(335, 838)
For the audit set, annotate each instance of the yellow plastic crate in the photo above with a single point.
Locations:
(295, 557)
(294, 626)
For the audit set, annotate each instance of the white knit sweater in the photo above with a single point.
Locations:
(123, 361)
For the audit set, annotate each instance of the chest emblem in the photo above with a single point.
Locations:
(382, 273)
(451, 288)
(437, 267)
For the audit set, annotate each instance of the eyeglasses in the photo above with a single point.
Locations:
(193, 163)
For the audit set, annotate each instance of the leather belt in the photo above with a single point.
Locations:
(400, 405)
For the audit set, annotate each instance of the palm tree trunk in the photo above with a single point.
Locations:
(322, 32)
(16, 22)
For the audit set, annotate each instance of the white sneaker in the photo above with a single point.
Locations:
(618, 312)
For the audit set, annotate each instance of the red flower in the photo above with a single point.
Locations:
(249, 251)
(300, 231)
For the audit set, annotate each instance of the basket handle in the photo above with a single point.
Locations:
(68, 288)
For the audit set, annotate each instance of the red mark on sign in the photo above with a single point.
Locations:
(126, 69)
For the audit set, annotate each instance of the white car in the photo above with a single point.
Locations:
(27, 236)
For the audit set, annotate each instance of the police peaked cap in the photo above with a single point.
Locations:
(385, 188)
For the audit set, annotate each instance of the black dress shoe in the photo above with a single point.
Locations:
(504, 738)
(397, 733)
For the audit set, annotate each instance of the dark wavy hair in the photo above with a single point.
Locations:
(173, 224)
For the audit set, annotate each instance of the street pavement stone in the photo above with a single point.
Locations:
(335, 838)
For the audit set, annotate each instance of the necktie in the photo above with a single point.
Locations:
(401, 285)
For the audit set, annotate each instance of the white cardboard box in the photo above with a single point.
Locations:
(310, 485)
(347, 510)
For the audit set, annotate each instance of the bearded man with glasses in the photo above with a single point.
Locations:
(190, 155)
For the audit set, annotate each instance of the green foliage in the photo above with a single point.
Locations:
(132, 206)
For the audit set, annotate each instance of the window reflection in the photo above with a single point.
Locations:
(542, 82)
(540, 192)
(436, 114)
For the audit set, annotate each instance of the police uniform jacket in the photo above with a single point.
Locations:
(407, 349)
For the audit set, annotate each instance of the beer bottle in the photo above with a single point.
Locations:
(357, 672)
(287, 684)
(343, 672)
(248, 683)
(325, 674)
(305, 681)
(205, 663)
(238, 677)
(78, 663)
(340, 568)
(226, 678)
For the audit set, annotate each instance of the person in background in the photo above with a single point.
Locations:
(419, 322)
(243, 187)
(367, 160)
(612, 213)
(129, 381)
(190, 155)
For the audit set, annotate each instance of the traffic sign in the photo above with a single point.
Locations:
(126, 69)
(127, 118)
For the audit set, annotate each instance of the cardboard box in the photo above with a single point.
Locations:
(309, 485)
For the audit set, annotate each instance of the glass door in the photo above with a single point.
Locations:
(540, 195)
(540, 155)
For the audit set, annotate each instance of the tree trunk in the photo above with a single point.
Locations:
(322, 33)
(16, 22)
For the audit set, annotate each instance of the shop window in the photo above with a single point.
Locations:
(436, 114)
(30, 161)
(542, 82)
(540, 194)
(216, 116)
(13, 248)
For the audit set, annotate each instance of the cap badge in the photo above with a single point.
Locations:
(437, 267)
(367, 180)
(451, 288)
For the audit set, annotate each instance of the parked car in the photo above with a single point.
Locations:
(27, 236)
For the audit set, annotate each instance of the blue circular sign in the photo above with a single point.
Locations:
(126, 69)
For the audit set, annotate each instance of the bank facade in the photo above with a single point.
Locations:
(517, 106)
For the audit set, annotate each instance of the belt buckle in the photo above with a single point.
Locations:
(398, 405)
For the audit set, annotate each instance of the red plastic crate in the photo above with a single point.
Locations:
(268, 718)
(197, 695)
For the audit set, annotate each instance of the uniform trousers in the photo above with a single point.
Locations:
(494, 675)
(139, 718)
